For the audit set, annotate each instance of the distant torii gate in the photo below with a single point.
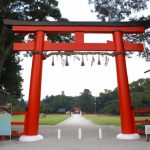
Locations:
(39, 45)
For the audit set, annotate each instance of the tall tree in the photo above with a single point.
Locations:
(118, 10)
(35, 10)
(11, 77)
(106, 97)
(87, 101)
(140, 93)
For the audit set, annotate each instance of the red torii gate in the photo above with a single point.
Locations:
(39, 45)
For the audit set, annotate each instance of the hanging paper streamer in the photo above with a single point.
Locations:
(93, 60)
(106, 60)
(67, 63)
(82, 62)
(53, 60)
(99, 61)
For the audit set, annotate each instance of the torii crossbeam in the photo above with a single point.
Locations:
(117, 29)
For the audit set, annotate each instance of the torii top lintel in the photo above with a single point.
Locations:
(87, 27)
(79, 28)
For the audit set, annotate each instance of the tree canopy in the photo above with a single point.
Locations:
(119, 10)
(30, 9)
(35, 10)
(11, 78)
(87, 101)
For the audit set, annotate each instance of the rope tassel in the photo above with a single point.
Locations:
(67, 63)
(99, 61)
(53, 61)
(82, 62)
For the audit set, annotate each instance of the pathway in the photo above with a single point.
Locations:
(69, 138)
(76, 120)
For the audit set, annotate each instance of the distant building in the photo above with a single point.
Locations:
(76, 110)
(61, 110)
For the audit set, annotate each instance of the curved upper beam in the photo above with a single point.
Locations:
(9, 22)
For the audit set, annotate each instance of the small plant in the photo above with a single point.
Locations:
(141, 126)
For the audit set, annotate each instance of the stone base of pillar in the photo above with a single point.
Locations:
(128, 136)
(25, 138)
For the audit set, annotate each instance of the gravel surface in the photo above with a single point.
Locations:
(76, 120)
(69, 138)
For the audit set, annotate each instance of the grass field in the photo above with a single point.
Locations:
(17, 118)
(48, 120)
(103, 120)
(53, 119)
(97, 119)
(109, 120)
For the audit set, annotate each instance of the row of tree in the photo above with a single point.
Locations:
(106, 102)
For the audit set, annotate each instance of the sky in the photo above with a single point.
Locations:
(73, 79)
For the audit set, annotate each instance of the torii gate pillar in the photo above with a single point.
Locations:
(127, 119)
(31, 126)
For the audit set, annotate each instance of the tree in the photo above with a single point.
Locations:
(57, 102)
(111, 107)
(35, 10)
(138, 86)
(118, 10)
(106, 97)
(107, 102)
(44, 108)
(50, 102)
(87, 101)
(140, 93)
(23, 104)
(11, 78)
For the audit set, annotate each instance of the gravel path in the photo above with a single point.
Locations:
(76, 120)
(69, 138)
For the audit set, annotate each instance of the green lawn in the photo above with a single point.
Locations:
(103, 120)
(17, 118)
(53, 119)
(109, 120)
(48, 120)
(97, 119)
